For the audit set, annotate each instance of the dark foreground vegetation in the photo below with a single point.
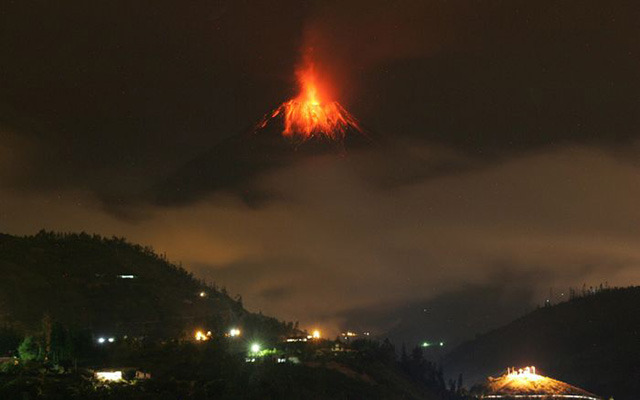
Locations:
(215, 370)
(73, 306)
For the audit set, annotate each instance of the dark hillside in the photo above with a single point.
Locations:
(592, 342)
(77, 280)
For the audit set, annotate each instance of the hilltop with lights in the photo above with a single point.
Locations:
(525, 383)
(592, 341)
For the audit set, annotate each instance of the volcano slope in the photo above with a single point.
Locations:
(233, 163)
(591, 341)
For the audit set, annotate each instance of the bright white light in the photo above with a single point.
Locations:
(255, 348)
(111, 340)
(101, 340)
(526, 373)
(441, 344)
(203, 294)
(111, 376)
(126, 276)
(233, 332)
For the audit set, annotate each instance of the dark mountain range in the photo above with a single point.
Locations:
(592, 341)
(109, 286)
(58, 286)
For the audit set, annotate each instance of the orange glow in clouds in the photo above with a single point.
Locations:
(311, 113)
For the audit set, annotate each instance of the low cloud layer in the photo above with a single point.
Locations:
(333, 243)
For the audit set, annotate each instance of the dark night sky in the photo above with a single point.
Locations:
(509, 164)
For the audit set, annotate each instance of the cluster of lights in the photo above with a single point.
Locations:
(234, 332)
(296, 339)
(102, 340)
(201, 336)
(348, 335)
(526, 371)
(526, 379)
(427, 344)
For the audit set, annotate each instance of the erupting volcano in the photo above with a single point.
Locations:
(312, 114)
(309, 125)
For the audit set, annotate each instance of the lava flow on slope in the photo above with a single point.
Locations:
(310, 114)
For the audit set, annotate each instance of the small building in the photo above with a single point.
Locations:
(121, 374)
(527, 384)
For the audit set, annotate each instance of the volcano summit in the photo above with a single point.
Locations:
(305, 126)
(310, 116)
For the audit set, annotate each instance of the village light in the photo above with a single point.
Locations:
(111, 340)
(316, 334)
(111, 376)
(201, 336)
(233, 332)
(101, 340)
(426, 344)
(203, 294)
(255, 348)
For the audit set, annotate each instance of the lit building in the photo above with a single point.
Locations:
(108, 376)
(233, 332)
(202, 336)
(296, 339)
(527, 384)
(348, 335)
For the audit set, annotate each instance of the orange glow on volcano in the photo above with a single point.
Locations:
(311, 114)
